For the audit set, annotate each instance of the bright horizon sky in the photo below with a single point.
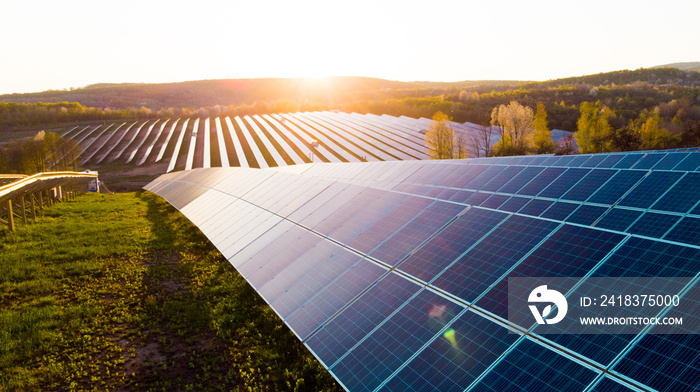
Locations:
(64, 44)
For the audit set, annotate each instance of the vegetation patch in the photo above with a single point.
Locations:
(121, 292)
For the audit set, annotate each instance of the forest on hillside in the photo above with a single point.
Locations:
(670, 97)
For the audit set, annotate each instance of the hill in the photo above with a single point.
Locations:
(218, 92)
(688, 66)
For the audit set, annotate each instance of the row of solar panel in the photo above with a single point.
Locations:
(466, 253)
(658, 204)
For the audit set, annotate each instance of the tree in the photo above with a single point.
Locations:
(594, 132)
(442, 141)
(651, 134)
(481, 140)
(514, 123)
(542, 136)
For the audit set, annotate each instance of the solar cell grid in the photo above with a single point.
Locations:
(650, 189)
(588, 185)
(383, 351)
(670, 161)
(559, 210)
(686, 231)
(495, 201)
(328, 301)
(690, 163)
(652, 224)
(610, 161)
(563, 183)
(616, 187)
(618, 219)
(531, 367)
(502, 178)
(396, 247)
(483, 178)
(362, 315)
(521, 179)
(682, 197)
(628, 161)
(570, 252)
(454, 360)
(546, 177)
(451, 242)
(493, 256)
(648, 161)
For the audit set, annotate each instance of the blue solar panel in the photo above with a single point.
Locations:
(651, 188)
(664, 362)
(635, 258)
(531, 367)
(608, 385)
(618, 219)
(586, 215)
(389, 223)
(687, 231)
(610, 161)
(628, 161)
(455, 359)
(450, 243)
(521, 179)
(469, 173)
(559, 210)
(341, 333)
(493, 256)
(577, 161)
(484, 177)
(325, 266)
(571, 251)
(387, 348)
(415, 232)
(562, 184)
(502, 178)
(333, 297)
(495, 201)
(588, 185)
(461, 196)
(690, 163)
(546, 177)
(683, 196)
(648, 161)
(535, 207)
(654, 225)
(670, 161)
(478, 198)
(514, 204)
(617, 186)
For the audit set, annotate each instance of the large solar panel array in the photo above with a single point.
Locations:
(262, 141)
(394, 274)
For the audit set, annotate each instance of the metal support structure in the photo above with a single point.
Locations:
(10, 217)
(24, 210)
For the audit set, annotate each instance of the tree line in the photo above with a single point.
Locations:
(47, 151)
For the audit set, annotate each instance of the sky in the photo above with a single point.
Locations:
(70, 44)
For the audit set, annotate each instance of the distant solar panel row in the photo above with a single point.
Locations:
(394, 274)
(253, 141)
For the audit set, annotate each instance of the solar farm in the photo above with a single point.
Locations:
(394, 274)
(262, 141)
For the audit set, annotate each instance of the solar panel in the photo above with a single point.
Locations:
(396, 275)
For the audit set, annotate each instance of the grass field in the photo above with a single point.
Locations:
(121, 292)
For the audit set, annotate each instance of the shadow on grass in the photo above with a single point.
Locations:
(176, 348)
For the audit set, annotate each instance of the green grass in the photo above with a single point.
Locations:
(121, 292)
